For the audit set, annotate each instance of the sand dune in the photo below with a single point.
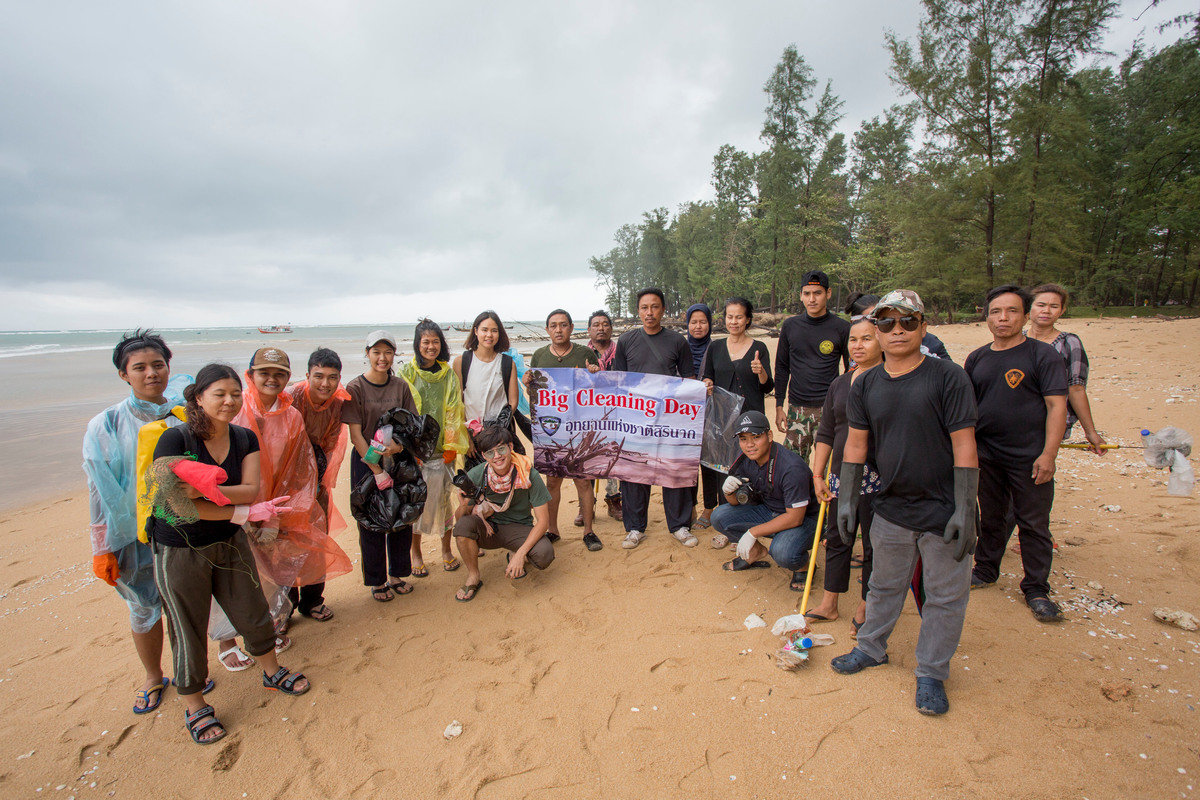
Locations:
(630, 674)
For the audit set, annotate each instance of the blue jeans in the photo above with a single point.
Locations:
(789, 548)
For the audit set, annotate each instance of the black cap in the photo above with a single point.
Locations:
(815, 278)
(751, 422)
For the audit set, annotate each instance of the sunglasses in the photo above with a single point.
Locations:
(498, 451)
(909, 323)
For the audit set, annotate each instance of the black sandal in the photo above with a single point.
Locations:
(284, 681)
(203, 720)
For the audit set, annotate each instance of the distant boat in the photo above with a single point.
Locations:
(276, 329)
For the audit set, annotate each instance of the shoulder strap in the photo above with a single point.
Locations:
(506, 368)
(466, 366)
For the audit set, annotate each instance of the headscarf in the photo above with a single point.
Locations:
(698, 346)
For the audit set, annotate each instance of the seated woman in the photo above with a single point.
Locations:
(512, 512)
(210, 558)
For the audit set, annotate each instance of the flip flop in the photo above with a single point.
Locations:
(452, 564)
(855, 625)
(817, 618)
(321, 613)
(241, 657)
(143, 696)
(507, 558)
(739, 564)
(472, 589)
(798, 580)
(209, 685)
(420, 572)
(383, 594)
(282, 643)
(400, 587)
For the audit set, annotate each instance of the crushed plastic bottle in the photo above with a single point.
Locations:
(1182, 478)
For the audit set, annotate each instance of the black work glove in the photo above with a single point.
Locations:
(849, 491)
(963, 525)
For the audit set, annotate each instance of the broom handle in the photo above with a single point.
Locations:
(812, 558)
(1086, 446)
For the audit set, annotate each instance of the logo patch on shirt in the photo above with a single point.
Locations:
(1013, 378)
(826, 347)
(549, 424)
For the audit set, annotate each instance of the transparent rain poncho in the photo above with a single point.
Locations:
(438, 394)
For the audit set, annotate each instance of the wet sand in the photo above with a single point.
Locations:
(630, 674)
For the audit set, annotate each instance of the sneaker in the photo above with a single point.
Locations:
(633, 539)
(614, 507)
(685, 536)
(592, 542)
(1044, 609)
(931, 697)
(579, 520)
(855, 661)
(720, 541)
(980, 583)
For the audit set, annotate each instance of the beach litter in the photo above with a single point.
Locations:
(798, 639)
(1180, 619)
(754, 621)
(453, 729)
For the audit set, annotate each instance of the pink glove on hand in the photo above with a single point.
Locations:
(260, 512)
(383, 480)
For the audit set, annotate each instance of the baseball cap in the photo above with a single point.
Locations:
(751, 422)
(901, 300)
(272, 357)
(375, 337)
(815, 278)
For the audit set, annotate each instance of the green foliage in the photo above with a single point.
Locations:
(1031, 170)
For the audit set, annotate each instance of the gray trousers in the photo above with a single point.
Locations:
(947, 585)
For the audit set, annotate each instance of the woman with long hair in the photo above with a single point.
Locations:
(210, 558)
(487, 376)
(439, 395)
(386, 557)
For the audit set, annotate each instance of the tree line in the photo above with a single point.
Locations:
(1028, 168)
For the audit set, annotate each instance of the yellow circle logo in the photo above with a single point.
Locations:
(826, 347)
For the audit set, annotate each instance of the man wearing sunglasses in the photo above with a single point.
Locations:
(806, 362)
(920, 413)
(1021, 388)
(507, 511)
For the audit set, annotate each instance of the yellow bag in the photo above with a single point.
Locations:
(148, 437)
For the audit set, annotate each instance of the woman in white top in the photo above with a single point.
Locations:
(488, 377)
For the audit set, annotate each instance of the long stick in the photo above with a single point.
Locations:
(1086, 446)
(812, 558)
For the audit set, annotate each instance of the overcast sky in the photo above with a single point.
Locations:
(232, 163)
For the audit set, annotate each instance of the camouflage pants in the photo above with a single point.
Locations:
(802, 422)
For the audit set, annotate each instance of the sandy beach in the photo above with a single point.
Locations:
(629, 674)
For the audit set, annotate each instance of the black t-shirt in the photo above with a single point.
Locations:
(177, 442)
(1011, 387)
(806, 361)
(664, 353)
(834, 426)
(785, 481)
(910, 418)
(738, 376)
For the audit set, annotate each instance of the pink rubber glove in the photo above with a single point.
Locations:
(383, 480)
(260, 512)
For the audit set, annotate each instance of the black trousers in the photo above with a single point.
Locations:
(306, 598)
(635, 502)
(1006, 489)
(383, 554)
(710, 483)
(838, 555)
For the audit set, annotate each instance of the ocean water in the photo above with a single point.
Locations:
(55, 381)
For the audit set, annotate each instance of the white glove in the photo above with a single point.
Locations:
(744, 544)
(731, 484)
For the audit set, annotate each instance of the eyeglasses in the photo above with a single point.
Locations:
(499, 451)
(909, 323)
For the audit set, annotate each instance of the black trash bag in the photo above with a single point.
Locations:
(401, 504)
(418, 434)
(405, 470)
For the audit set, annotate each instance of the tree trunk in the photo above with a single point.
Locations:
(1162, 265)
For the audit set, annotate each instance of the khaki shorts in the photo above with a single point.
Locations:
(505, 536)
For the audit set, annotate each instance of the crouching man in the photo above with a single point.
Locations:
(767, 491)
(510, 512)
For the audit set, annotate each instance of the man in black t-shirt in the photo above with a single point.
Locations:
(1021, 388)
(920, 414)
(779, 488)
(806, 362)
(655, 351)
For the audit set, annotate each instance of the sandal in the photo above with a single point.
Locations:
(383, 594)
(204, 719)
(209, 685)
(420, 572)
(701, 523)
(470, 589)
(242, 661)
(719, 541)
(400, 587)
(321, 613)
(553, 536)
(143, 696)
(452, 564)
(282, 643)
(284, 681)
(739, 564)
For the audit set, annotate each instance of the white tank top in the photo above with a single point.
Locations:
(485, 393)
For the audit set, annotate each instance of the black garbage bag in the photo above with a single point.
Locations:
(401, 504)
(418, 434)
